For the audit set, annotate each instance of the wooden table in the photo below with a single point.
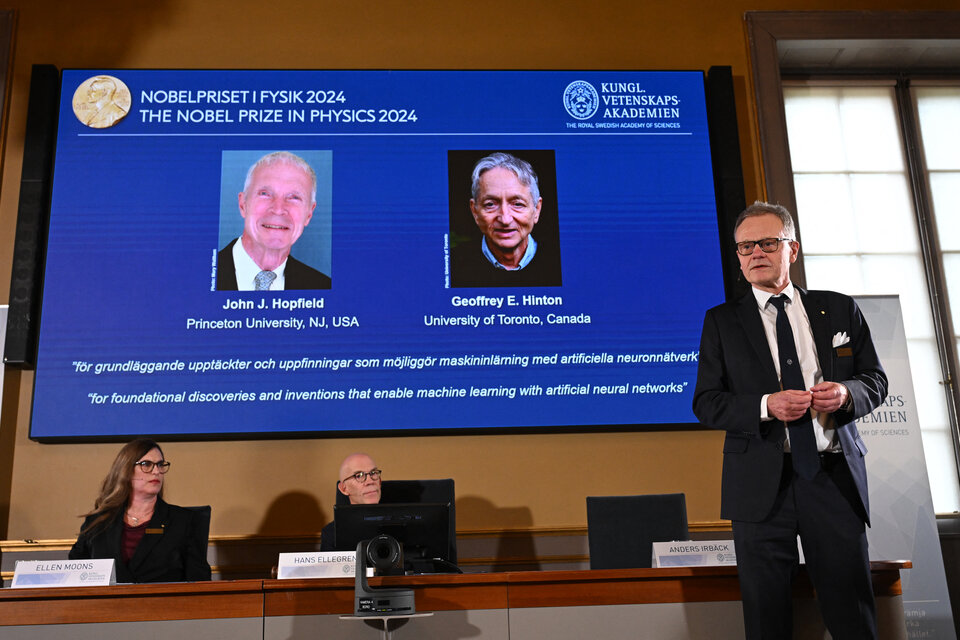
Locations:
(689, 602)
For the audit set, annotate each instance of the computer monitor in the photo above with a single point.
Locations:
(422, 528)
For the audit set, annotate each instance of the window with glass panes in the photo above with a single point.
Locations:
(876, 168)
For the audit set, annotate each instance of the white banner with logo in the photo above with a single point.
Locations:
(904, 525)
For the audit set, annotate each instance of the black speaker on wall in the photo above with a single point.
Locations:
(33, 210)
(727, 167)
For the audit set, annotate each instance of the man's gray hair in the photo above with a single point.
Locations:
(760, 208)
(284, 157)
(521, 168)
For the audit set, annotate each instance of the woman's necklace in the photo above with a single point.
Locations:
(136, 520)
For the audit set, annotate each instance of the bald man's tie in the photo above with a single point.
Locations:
(264, 279)
(803, 444)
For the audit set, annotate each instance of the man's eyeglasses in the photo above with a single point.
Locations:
(767, 245)
(147, 466)
(361, 476)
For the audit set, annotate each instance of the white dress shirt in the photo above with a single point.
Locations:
(524, 261)
(823, 423)
(247, 270)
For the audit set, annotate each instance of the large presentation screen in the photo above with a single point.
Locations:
(353, 252)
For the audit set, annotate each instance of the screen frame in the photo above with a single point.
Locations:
(720, 108)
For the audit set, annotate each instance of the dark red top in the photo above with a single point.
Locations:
(131, 538)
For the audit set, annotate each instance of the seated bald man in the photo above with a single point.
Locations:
(359, 480)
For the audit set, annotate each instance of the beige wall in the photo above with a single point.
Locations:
(286, 486)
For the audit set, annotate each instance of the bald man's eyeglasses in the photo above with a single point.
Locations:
(767, 245)
(361, 476)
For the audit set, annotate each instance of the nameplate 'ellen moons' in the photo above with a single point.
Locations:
(64, 573)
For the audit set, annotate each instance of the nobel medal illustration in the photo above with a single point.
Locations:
(101, 101)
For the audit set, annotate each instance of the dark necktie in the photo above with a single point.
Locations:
(803, 444)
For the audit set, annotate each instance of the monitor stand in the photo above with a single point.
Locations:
(387, 623)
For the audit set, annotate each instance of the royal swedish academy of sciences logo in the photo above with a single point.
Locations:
(580, 100)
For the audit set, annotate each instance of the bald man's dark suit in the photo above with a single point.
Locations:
(735, 370)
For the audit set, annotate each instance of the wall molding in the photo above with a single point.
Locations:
(64, 544)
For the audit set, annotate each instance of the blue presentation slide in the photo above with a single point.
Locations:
(393, 315)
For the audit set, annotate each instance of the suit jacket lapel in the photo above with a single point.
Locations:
(291, 274)
(227, 269)
(819, 317)
(150, 540)
(111, 538)
(749, 316)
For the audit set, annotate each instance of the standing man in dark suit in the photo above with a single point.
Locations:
(786, 372)
(277, 203)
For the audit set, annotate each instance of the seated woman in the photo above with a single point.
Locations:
(151, 541)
